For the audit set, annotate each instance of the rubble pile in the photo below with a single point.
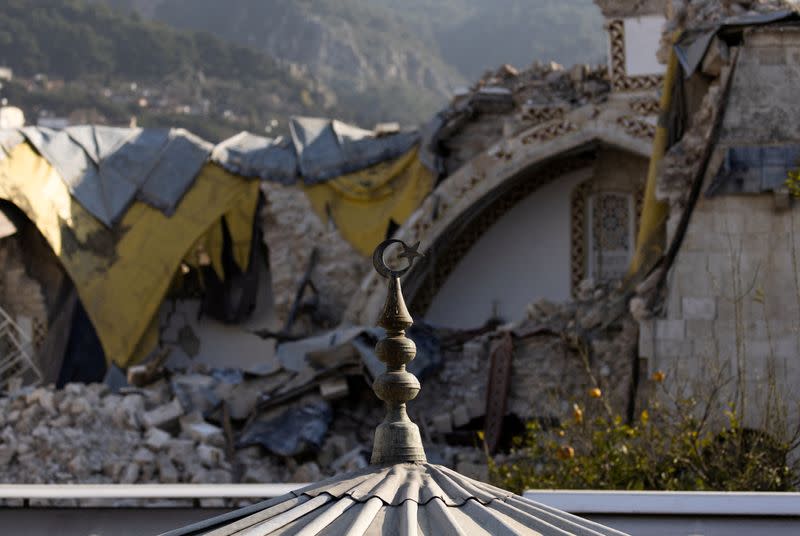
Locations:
(508, 101)
(311, 414)
(684, 14)
(160, 434)
(293, 231)
(559, 352)
(696, 14)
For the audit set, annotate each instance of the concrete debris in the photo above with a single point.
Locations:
(209, 425)
(163, 416)
(505, 102)
(552, 349)
(693, 14)
(292, 230)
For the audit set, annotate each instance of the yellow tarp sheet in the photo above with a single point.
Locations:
(122, 274)
(361, 204)
(649, 245)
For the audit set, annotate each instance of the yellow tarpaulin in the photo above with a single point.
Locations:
(362, 204)
(122, 274)
(654, 212)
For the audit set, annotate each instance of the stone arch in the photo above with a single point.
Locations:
(464, 205)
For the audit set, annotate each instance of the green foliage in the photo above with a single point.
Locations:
(71, 38)
(668, 447)
(793, 182)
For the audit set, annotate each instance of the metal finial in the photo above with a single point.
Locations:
(397, 439)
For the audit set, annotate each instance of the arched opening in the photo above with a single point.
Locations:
(537, 235)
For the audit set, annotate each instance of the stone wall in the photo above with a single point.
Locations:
(21, 295)
(733, 302)
(733, 294)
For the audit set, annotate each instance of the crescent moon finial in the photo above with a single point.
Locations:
(408, 252)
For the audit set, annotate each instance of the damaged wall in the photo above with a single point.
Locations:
(292, 230)
(539, 248)
(733, 294)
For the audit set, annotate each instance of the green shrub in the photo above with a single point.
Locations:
(672, 445)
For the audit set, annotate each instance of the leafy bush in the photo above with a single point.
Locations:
(672, 445)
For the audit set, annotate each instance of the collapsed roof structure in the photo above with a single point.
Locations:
(400, 493)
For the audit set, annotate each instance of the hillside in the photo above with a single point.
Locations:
(473, 36)
(404, 58)
(363, 51)
(69, 56)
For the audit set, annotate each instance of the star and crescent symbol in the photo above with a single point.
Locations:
(406, 252)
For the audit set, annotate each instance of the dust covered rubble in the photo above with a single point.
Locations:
(560, 351)
(702, 14)
(303, 426)
(505, 102)
(87, 434)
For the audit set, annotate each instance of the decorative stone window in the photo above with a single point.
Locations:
(611, 220)
(603, 235)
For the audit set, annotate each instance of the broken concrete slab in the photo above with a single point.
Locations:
(294, 355)
(214, 342)
(163, 416)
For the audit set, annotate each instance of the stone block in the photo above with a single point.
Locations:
(206, 433)
(699, 329)
(163, 416)
(758, 348)
(670, 329)
(180, 450)
(698, 308)
(674, 348)
(786, 346)
(156, 439)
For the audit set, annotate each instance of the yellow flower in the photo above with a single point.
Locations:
(658, 376)
(481, 435)
(561, 433)
(595, 392)
(565, 452)
(577, 413)
(645, 416)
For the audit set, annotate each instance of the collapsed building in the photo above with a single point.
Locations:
(566, 246)
(721, 312)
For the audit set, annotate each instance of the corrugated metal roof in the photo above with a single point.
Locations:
(402, 499)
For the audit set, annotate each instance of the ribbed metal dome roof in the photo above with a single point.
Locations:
(400, 494)
(407, 499)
